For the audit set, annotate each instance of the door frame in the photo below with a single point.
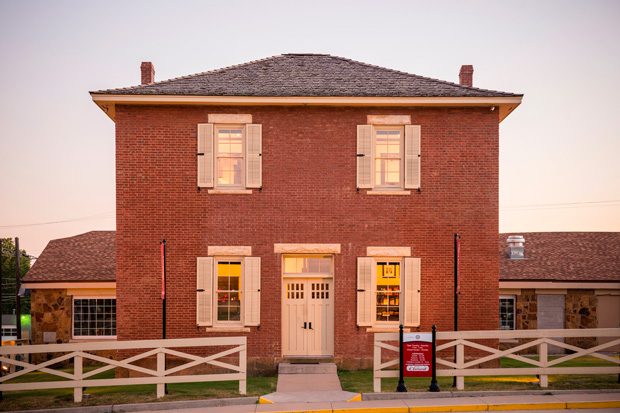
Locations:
(307, 279)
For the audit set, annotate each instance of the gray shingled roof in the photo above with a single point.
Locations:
(84, 257)
(563, 256)
(306, 75)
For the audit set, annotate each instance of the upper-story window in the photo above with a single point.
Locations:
(388, 155)
(388, 147)
(229, 154)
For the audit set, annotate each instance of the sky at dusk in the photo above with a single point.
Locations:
(559, 168)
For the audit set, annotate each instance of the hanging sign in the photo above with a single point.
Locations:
(417, 354)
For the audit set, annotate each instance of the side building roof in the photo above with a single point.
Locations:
(84, 257)
(563, 256)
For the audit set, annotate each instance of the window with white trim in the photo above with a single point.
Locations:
(388, 145)
(388, 291)
(507, 312)
(388, 157)
(94, 317)
(387, 305)
(229, 157)
(228, 291)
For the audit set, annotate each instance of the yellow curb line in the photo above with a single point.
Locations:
(450, 408)
(529, 406)
(594, 405)
(264, 400)
(401, 409)
(356, 398)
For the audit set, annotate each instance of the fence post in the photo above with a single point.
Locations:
(460, 362)
(161, 372)
(376, 367)
(77, 373)
(543, 357)
(243, 363)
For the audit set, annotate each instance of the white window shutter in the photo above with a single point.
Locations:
(412, 156)
(204, 291)
(205, 155)
(253, 156)
(364, 290)
(364, 156)
(251, 291)
(411, 292)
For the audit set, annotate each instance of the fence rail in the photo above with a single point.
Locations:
(78, 352)
(539, 340)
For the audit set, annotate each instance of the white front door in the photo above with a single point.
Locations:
(308, 317)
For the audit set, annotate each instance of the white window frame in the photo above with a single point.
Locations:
(90, 297)
(375, 322)
(375, 185)
(233, 323)
(514, 311)
(216, 128)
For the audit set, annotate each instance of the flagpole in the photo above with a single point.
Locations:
(457, 251)
(163, 299)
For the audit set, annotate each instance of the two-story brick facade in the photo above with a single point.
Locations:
(306, 202)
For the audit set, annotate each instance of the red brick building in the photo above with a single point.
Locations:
(306, 202)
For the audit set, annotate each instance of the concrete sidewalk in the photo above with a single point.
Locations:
(452, 404)
(303, 383)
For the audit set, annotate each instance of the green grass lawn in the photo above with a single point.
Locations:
(361, 380)
(356, 381)
(41, 399)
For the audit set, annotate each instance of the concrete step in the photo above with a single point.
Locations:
(318, 368)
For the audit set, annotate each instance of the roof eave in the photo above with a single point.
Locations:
(108, 102)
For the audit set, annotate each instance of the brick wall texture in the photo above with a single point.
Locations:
(309, 196)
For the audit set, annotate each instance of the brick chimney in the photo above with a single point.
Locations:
(466, 75)
(148, 73)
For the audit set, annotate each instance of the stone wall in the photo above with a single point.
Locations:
(580, 310)
(50, 311)
(526, 310)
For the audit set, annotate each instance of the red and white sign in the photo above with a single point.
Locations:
(417, 354)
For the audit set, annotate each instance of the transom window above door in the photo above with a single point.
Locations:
(308, 264)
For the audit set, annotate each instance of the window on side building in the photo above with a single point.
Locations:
(507, 312)
(94, 317)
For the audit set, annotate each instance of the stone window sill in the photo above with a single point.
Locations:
(229, 191)
(228, 329)
(386, 330)
(90, 340)
(379, 192)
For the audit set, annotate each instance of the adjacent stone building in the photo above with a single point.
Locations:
(72, 288)
(560, 280)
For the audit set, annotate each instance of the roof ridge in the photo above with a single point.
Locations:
(221, 69)
(415, 75)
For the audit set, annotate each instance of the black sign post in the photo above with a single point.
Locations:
(401, 380)
(434, 387)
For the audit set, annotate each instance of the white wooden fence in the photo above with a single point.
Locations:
(538, 341)
(161, 375)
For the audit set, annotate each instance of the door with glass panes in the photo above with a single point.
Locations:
(307, 306)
